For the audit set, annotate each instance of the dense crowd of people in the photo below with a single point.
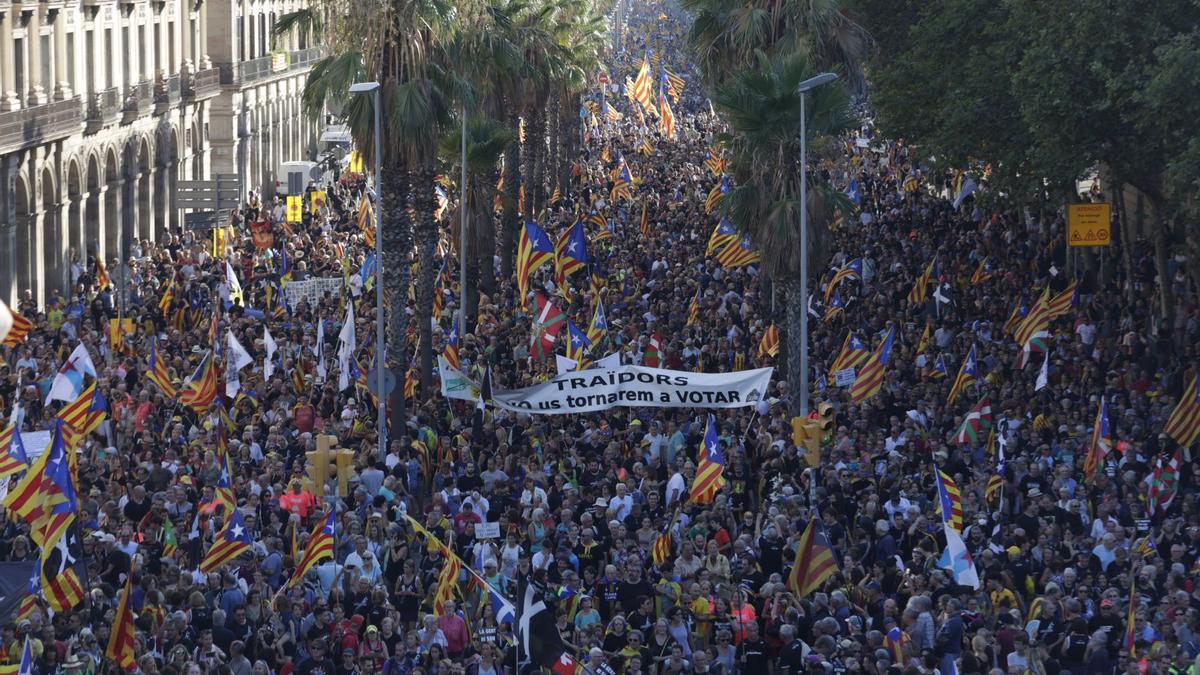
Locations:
(1078, 572)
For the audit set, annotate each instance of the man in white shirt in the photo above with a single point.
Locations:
(622, 503)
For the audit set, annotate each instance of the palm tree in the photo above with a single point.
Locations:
(725, 35)
(392, 44)
(761, 105)
(486, 141)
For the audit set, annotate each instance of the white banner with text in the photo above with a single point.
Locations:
(636, 387)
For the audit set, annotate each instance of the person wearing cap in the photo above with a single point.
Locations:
(317, 661)
(373, 647)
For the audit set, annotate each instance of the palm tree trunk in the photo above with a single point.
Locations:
(796, 306)
(512, 181)
(537, 196)
(396, 240)
(426, 234)
(556, 149)
(529, 157)
(486, 227)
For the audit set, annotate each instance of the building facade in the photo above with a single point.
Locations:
(106, 104)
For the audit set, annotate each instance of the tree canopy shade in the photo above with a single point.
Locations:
(1046, 93)
(514, 63)
(753, 56)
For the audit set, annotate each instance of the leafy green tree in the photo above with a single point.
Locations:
(762, 108)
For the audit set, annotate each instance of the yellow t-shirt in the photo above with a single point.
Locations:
(1004, 594)
(702, 611)
(18, 647)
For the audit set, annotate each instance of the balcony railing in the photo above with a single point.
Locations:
(39, 124)
(138, 100)
(166, 94)
(201, 84)
(103, 108)
(267, 67)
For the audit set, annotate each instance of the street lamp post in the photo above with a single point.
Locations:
(805, 87)
(381, 397)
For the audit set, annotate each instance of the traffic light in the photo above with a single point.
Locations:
(345, 465)
(826, 421)
(327, 461)
(806, 434)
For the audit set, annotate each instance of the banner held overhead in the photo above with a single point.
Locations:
(625, 386)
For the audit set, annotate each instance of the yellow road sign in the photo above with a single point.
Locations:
(1089, 225)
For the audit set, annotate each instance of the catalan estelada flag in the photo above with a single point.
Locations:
(710, 470)
(450, 348)
(87, 412)
(722, 235)
(447, 581)
(223, 491)
(853, 354)
(231, 541)
(200, 390)
(1064, 302)
(570, 253)
(644, 224)
(739, 254)
(770, 342)
(834, 309)
(694, 309)
(869, 379)
(13, 458)
(157, 373)
(666, 116)
(949, 500)
(968, 372)
(1100, 444)
(815, 560)
(366, 221)
(533, 250)
(578, 345)
(168, 296)
(851, 270)
(121, 645)
(895, 640)
(917, 295)
(1183, 426)
(319, 547)
(715, 163)
(983, 272)
(1037, 321)
(715, 195)
(939, 369)
(20, 328)
(642, 85)
(674, 83)
(33, 593)
(1018, 314)
(598, 329)
(622, 181)
(45, 497)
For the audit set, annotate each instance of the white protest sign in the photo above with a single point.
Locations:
(844, 377)
(311, 290)
(487, 530)
(454, 383)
